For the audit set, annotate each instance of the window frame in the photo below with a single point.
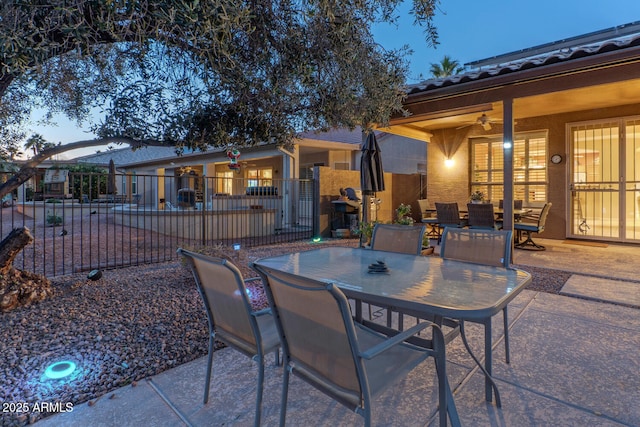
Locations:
(526, 188)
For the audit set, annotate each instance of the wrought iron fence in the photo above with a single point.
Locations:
(78, 227)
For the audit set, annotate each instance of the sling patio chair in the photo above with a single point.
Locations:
(345, 360)
(487, 247)
(404, 239)
(530, 225)
(231, 318)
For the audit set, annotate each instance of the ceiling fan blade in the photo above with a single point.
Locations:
(486, 126)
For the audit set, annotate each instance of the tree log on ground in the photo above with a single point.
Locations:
(19, 288)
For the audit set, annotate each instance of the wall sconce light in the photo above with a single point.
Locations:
(507, 145)
(448, 162)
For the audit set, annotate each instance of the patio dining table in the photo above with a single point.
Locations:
(420, 285)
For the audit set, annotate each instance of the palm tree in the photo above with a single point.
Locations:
(446, 67)
(36, 142)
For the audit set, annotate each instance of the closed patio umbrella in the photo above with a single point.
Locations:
(111, 178)
(371, 172)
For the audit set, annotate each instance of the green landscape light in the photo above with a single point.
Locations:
(316, 239)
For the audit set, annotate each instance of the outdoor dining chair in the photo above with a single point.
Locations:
(487, 247)
(231, 318)
(528, 226)
(517, 204)
(481, 215)
(345, 360)
(405, 239)
(449, 216)
(402, 239)
(429, 218)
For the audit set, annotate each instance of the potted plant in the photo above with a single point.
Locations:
(477, 197)
(403, 215)
(364, 230)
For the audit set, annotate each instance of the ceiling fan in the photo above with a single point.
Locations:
(484, 121)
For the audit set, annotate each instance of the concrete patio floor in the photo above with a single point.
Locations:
(574, 361)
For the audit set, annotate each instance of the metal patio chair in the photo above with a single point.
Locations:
(517, 204)
(449, 216)
(488, 247)
(429, 218)
(481, 215)
(529, 227)
(402, 239)
(231, 318)
(405, 239)
(345, 360)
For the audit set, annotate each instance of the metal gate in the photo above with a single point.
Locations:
(605, 180)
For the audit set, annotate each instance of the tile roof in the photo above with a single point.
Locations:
(125, 156)
(553, 56)
(338, 135)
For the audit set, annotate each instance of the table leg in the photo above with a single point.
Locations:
(358, 304)
(487, 360)
(490, 385)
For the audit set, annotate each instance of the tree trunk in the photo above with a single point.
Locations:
(11, 246)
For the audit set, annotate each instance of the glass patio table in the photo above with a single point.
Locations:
(424, 285)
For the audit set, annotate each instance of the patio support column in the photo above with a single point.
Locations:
(508, 163)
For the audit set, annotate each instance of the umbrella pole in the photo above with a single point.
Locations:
(365, 213)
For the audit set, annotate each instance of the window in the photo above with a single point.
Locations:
(260, 177)
(306, 183)
(134, 184)
(529, 168)
(224, 182)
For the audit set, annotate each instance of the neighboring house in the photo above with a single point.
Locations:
(50, 181)
(572, 112)
(258, 166)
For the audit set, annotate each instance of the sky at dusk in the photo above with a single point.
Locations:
(468, 31)
(473, 30)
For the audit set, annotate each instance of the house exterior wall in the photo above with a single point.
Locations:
(448, 184)
(399, 188)
(452, 184)
(331, 181)
(402, 155)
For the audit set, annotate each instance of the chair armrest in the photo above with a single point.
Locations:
(395, 340)
(262, 312)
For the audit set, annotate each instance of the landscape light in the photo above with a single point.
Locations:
(59, 370)
(316, 240)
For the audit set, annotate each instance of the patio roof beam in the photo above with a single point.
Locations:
(408, 131)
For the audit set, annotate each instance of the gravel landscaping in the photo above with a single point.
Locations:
(130, 324)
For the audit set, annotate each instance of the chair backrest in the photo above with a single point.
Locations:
(405, 239)
(317, 333)
(543, 216)
(225, 298)
(488, 247)
(517, 204)
(481, 215)
(448, 214)
(424, 205)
